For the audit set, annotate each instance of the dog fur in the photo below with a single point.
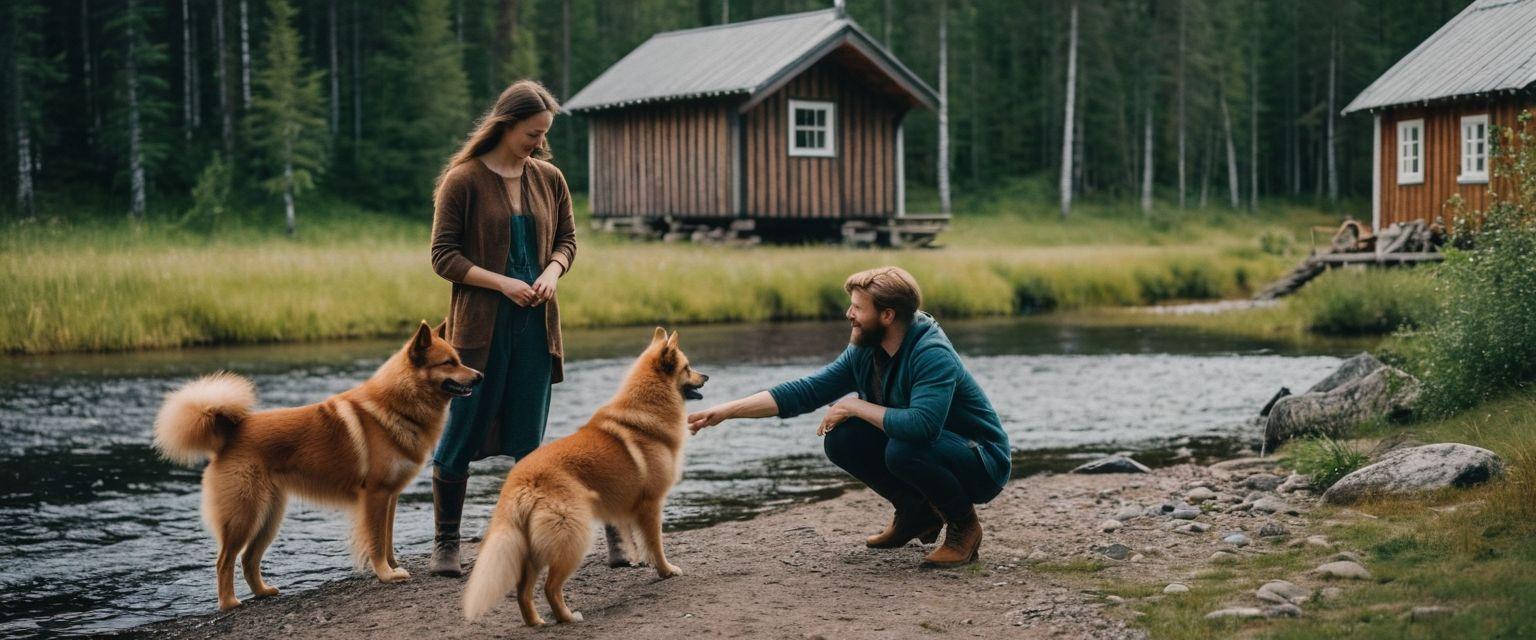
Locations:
(357, 449)
(616, 468)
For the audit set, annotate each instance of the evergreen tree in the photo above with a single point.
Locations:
(422, 107)
(286, 123)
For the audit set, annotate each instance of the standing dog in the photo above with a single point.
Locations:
(358, 449)
(617, 468)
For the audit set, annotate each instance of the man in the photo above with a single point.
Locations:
(920, 433)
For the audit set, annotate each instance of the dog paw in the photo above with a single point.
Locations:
(575, 617)
(226, 605)
(266, 591)
(668, 570)
(618, 563)
(394, 575)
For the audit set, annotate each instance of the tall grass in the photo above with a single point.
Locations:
(111, 286)
(1368, 302)
(1324, 459)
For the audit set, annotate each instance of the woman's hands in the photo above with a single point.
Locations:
(526, 295)
(544, 287)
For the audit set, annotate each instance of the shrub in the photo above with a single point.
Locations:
(1324, 459)
(1348, 302)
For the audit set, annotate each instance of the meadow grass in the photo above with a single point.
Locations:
(103, 284)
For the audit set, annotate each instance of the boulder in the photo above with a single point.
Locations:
(1113, 464)
(1426, 468)
(1355, 368)
(1342, 569)
(1245, 464)
(1384, 393)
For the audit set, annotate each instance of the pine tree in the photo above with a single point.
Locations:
(422, 110)
(286, 123)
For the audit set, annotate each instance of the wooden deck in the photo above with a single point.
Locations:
(1318, 263)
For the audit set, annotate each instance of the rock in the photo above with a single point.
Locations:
(1272, 505)
(1350, 370)
(1184, 513)
(1197, 527)
(1426, 468)
(1295, 482)
(1129, 512)
(1385, 393)
(1261, 482)
(1109, 526)
(1345, 556)
(1223, 557)
(1113, 464)
(1342, 569)
(1175, 588)
(1116, 551)
(1420, 614)
(1283, 592)
(1235, 612)
(1244, 464)
(1393, 443)
(1114, 599)
(1318, 541)
(1271, 529)
(1283, 392)
(1238, 540)
(1038, 556)
(1283, 611)
(1138, 558)
(1159, 509)
(1199, 495)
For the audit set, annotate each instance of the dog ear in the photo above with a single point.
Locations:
(420, 344)
(672, 342)
(442, 329)
(659, 335)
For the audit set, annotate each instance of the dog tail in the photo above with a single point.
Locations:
(195, 419)
(502, 559)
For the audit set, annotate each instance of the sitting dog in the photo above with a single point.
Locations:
(358, 449)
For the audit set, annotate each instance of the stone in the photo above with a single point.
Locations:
(1283, 611)
(1237, 540)
(1350, 370)
(1345, 556)
(1415, 469)
(1261, 482)
(1235, 612)
(1392, 443)
(1138, 558)
(1272, 505)
(1184, 513)
(1244, 464)
(1199, 495)
(1116, 551)
(1224, 557)
(1109, 526)
(1272, 529)
(1295, 482)
(1114, 599)
(1038, 556)
(1383, 394)
(1113, 464)
(1128, 512)
(1342, 569)
(1420, 614)
(1175, 588)
(1318, 541)
(1286, 592)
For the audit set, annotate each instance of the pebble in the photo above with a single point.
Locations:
(1282, 592)
(1138, 558)
(1272, 505)
(1283, 611)
(1223, 557)
(1114, 599)
(1343, 569)
(1109, 526)
(1420, 614)
(1199, 495)
(1236, 612)
(1237, 539)
(1129, 512)
(1261, 482)
(1038, 556)
(1184, 514)
(1296, 482)
(1175, 588)
(1116, 551)
(1271, 529)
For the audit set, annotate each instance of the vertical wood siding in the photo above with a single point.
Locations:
(665, 159)
(1441, 161)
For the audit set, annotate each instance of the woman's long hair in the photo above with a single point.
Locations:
(523, 100)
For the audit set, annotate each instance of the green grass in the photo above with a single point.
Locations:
(1324, 459)
(102, 284)
(1470, 550)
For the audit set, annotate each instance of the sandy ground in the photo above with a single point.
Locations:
(805, 573)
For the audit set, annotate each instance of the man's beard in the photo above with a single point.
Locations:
(867, 336)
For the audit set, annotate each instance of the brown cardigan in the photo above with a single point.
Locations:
(471, 226)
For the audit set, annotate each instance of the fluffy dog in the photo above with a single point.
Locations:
(358, 449)
(617, 468)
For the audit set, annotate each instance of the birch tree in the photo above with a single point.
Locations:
(1233, 197)
(245, 55)
(1333, 68)
(186, 73)
(27, 71)
(1066, 127)
(943, 155)
(335, 75)
(140, 113)
(287, 116)
(226, 100)
(1181, 124)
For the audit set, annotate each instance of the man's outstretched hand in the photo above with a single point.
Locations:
(706, 418)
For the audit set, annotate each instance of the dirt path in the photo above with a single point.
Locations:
(805, 573)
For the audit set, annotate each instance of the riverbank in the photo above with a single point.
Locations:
(111, 286)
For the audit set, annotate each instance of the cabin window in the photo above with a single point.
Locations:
(1474, 149)
(810, 128)
(1410, 152)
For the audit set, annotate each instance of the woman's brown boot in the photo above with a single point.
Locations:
(447, 507)
(918, 521)
(962, 539)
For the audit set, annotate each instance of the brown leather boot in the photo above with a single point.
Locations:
(447, 507)
(920, 522)
(962, 539)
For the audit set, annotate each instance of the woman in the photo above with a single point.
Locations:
(502, 233)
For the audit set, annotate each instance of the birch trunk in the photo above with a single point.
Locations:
(1181, 125)
(226, 101)
(357, 83)
(565, 50)
(245, 56)
(1253, 118)
(1295, 133)
(943, 157)
(725, 11)
(1233, 197)
(1146, 162)
(24, 198)
(335, 120)
(288, 188)
(1066, 128)
(1333, 67)
(186, 74)
(136, 203)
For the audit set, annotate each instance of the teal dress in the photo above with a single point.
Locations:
(507, 413)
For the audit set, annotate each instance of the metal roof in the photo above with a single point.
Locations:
(745, 59)
(1489, 47)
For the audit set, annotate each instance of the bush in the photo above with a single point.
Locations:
(1353, 303)
(1324, 459)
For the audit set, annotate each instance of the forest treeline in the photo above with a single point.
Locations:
(122, 107)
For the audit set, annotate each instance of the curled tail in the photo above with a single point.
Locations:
(503, 554)
(195, 419)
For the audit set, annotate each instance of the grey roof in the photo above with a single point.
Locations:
(1489, 47)
(735, 59)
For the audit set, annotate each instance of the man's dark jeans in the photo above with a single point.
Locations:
(947, 472)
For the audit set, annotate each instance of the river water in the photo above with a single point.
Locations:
(98, 534)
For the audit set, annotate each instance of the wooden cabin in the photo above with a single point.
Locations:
(1435, 108)
(789, 126)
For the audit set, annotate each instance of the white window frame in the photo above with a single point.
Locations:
(1470, 153)
(1404, 176)
(830, 109)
